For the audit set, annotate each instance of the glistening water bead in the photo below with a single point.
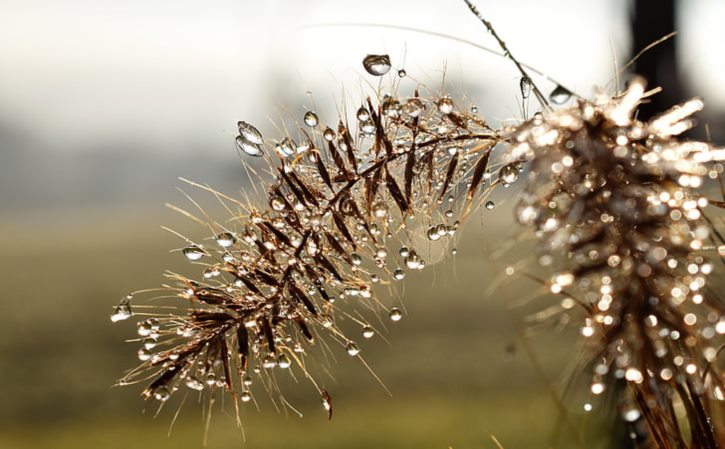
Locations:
(123, 310)
(250, 133)
(311, 119)
(395, 314)
(225, 239)
(560, 95)
(193, 252)
(377, 65)
(248, 148)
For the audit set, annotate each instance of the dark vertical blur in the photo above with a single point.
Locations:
(652, 20)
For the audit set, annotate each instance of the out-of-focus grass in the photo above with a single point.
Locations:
(517, 419)
(446, 367)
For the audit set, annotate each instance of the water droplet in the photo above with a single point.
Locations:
(311, 119)
(245, 396)
(413, 262)
(250, 133)
(377, 65)
(391, 107)
(247, 147)
(356, 258)
(445, 106)
(225, 239)
(399, 274)
(277, 203)
(509, 173)
(560, 95)
(363, 114)
(413, 107)
(395, 314)
(328, 134)
(144, 354)
(432, 233)
(193, 252)
(526, 85)
(247, 381)
(352, 349)
(123, 310)
(402, 73)
(269, 362)
(404, 251)
(490, 205)
(367, 127)
(283, 361)
(368, 332)
(453, 150)
(194, 383)
(286, 147)
(380, 210)
(162, 394)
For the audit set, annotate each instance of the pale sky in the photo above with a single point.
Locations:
(162, 74)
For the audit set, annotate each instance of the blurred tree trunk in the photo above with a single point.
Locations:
(652, 20)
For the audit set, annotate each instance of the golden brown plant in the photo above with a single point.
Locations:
(619, 203)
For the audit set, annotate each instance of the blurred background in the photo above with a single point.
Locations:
(103, 105)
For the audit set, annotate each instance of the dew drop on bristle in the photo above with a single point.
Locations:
(352, 349)
(246, 396)
(250, 133)
(193, 252)
(247, 147)
(225, 239)
(560, 95)
(194, 383)
(363, 114)
(399, 274)
(402, 73)
(328, 134)
(377, 65)
(445, 106)
(509, 173)
(395, 314)
(311, 119)
(284, 362)
(123, 310)
(490, 205)
(286, 147)
(368, 332)
(526, 85)
(162, 394)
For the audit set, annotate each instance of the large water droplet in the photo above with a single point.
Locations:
(395, 314)
(162, 394)
(367, 127)
(311, 119)
(250, 133)
(509, 173)
(368, 332)
(225, 239)
(193, 252)
(399, 274)
(246, 396)
(377, 65)
(560, 95)
(277, 203)
(247, 147)
(352, 349)
(433, 234)
(363, 114)
(445, 106)
(283, 361)
(413, 262)
(123, 310)
(526, 85)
